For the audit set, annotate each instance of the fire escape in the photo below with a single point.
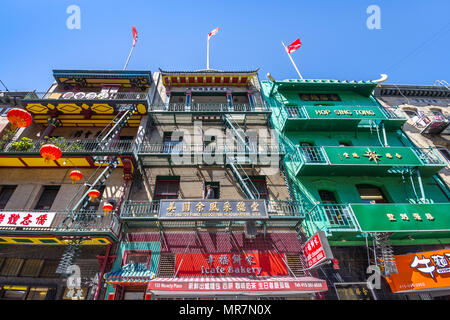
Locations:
(79, 215)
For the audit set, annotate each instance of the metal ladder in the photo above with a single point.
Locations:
(108, 134)
(238, 171)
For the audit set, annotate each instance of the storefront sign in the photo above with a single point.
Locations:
(402, 217)
(421, 271)
(230, 264)
(341, 112)
(208, 89)
(201, 209)
(353, 291)
(235, 285)
(26, 219)
(317, 250)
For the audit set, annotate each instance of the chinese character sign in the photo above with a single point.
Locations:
(26, 219)
(419, 271)
(231, 264)
(317, 250)
(202, 209)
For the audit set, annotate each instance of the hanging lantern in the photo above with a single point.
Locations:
(19, 118)
(94, 194)
(50, 152)
(107, 208)
(75, 175)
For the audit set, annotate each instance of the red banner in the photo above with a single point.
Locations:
(230, 264)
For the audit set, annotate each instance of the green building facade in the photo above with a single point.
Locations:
(357, 175)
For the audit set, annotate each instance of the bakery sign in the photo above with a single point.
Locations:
(230, 264)
(201, 209)
(26, 219)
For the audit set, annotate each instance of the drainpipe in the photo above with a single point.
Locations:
(384, 134)
(102, 272)
(420, 185)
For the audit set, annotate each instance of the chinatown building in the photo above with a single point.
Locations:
(210, 214)
(66, 168)
(375, 192)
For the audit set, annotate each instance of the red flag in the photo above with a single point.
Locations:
(213, 32)
(293, 46)
(134, 35)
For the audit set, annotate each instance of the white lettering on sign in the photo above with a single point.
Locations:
(26, 219)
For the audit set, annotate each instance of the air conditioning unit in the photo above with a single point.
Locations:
(250, 230)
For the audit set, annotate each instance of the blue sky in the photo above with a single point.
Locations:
(412, 46)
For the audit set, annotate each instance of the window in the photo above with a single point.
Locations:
(47, 198)
(215, 187)
(167, 188)
(319, 97)
(5, 194)
(11, 267)
(169, 144)
(260, 184)
(327, 197)
(371, 194)
(137, 257)
(445, 153)
(134, 294)
(32, 268)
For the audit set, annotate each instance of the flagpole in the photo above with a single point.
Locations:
(207, 53)
(292, 60)
(129, 56)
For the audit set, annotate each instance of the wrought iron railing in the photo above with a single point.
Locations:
(149, 209)
(330, 218)
(86, 95)
(183, 148)
(70, 146)
(87, 221)
(429, 156)
(209, 107)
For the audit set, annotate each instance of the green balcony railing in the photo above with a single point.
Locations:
(330, 218)
(355, 156)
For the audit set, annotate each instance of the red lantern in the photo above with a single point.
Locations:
(50, 152)
(19, 118)
(94, 194)
(107, 207)
(75, 175)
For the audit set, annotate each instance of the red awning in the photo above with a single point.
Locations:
(236, 286)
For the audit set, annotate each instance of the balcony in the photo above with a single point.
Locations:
(75, 153)
(425, 223)
(280, 213)
(375, 161)
(179, 153)
(337, 118)
(29, 227)
(84, 102)
(182, 113)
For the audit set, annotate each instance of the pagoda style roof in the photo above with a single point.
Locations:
(208, 77)
(97, 77)
(364, 88)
